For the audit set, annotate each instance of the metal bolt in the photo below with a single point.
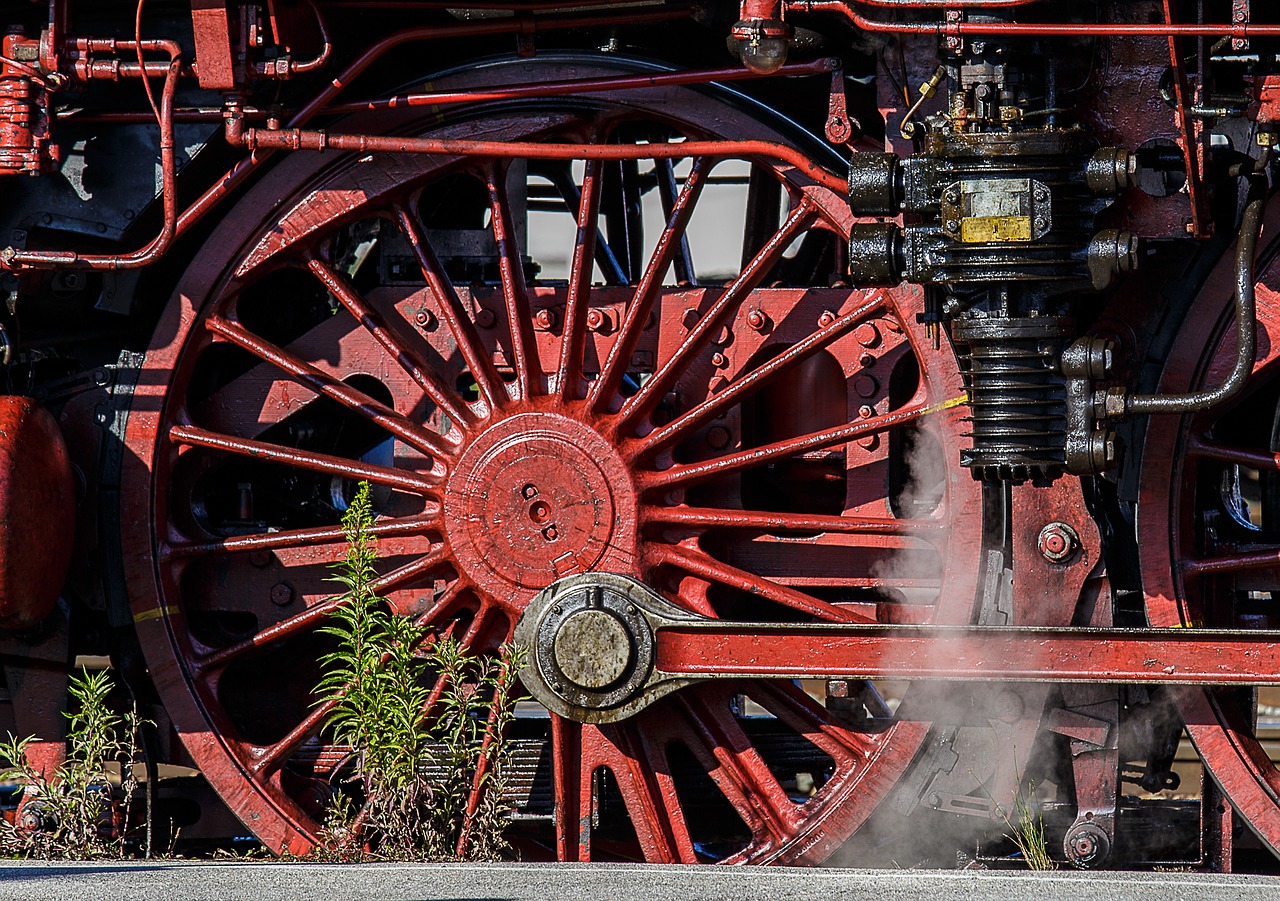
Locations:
(595, 320)
(282, 594)
(758, 320)
(866, 386)
(425, 319)
(718, 437)
(1058, 542)
(719, 360)
(866, 412)
(545, 320)
(530, 491)
(953, 225)
(952, 196)
(867, 334)
(826, 318)
(866, 361)
(689, 318)
(550, 533)
(486, 318)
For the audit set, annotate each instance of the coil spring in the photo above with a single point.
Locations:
(1017, 397)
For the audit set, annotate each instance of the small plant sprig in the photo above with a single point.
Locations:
(69, 815)
(432, 786)
(1027, 833)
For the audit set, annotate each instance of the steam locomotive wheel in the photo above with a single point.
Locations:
(1208, 529)
(493, 346)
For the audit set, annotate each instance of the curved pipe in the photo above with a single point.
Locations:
(299, 139)
(287, 68)
(1246, 339)
(12, 259)
(237, 175)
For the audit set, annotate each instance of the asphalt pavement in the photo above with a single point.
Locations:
(30, 881)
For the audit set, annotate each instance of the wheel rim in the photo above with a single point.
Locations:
(504, 457)
(1204, 561)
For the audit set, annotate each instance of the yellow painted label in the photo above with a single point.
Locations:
(995, 229)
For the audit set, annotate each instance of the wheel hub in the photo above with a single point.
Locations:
(538, 496)
(593, 649)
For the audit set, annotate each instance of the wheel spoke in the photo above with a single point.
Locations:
(750, 278)
(294, 538)
(310, 617)
(733, 762)
(603, 389)
(568, 798)
(409, 571)
(755, 379)
(652, 740)
(275, 754)
(481, 780)
(515, 292)
(646, 802)
(1266, 558)
(789, 703)
(358, 402)
(1199, 446)
(716, 518)
(562, 178)
(573, 342)
(682, 260)
(394, 344)
(455, 315)
(441, 606)
(192, 436)
(700, 564)
(691, 473)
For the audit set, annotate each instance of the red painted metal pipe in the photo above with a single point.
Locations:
(13, 259)
(946, 4)
(301, 139)
(246, 167)
(581, 86)
(846, 8)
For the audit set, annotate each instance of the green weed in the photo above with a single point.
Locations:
(70, 815)
(425, 721)
(1027, 833)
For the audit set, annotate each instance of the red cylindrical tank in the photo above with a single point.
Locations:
(37, 512)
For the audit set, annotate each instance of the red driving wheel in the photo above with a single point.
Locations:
(1208, 533)
(535, 385)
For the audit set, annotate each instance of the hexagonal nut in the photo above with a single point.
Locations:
(1058, 542)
